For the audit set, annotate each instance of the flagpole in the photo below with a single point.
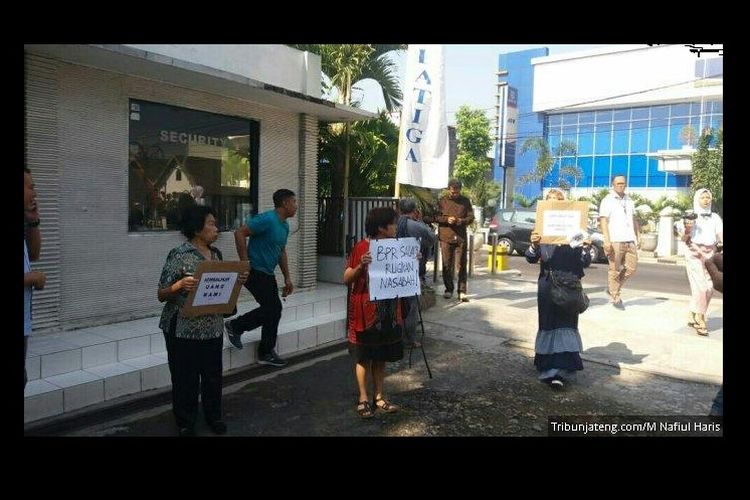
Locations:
(397, 187)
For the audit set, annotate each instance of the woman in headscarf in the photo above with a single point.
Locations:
(558, 343)
(701, 237)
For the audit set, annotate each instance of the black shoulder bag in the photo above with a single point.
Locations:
(567, 292)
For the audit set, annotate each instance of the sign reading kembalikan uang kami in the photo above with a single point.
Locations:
(218, 288)
(394, 270)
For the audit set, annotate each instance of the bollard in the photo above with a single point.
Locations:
(436, 253)
(470, 248)
(503, 258)
(493, 267)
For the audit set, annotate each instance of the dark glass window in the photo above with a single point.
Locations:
(524, 216)
(601, 171)
(639, 137)
(180, 156)
(681, 109)
(569, 134)
(554, 137)
(640, 113)
(679, 135)
(586, 164)
(621, 137)
(658, 135)
(637, 171)
(585, 139)
(602, 146)
(586, 117)
(659, 112)
(570, 119)
(622, 114)
(604, 116)
(655, 177)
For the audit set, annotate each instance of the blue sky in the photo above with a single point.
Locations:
(469, 75)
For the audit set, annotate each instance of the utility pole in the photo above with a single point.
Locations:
(500, 116)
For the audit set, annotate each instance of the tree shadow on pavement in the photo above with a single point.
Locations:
(614, 353)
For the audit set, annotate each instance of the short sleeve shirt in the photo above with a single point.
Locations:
(267, 241)
(619, 212)
(362, 312)
(181, 260)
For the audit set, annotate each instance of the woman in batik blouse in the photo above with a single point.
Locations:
(194, 344)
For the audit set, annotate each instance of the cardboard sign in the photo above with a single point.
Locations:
(556, 220)
(394, 270)
(218, 288)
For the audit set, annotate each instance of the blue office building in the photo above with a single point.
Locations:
(634, 110)
(522, 122)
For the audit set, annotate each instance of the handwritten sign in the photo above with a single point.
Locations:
(217, 290)
(556, 220)
(394, 270)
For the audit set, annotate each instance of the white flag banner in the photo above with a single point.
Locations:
(423, 141)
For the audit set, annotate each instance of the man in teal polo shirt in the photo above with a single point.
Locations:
(268, 233)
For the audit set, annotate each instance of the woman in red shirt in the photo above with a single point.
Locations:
(375, 328)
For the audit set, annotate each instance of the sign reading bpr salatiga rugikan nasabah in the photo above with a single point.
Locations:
(394, 270)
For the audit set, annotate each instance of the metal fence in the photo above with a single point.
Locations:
(330, 225)
(358, 208)
(331, 221)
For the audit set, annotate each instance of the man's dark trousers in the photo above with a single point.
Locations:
(266, 292)
(449, 249)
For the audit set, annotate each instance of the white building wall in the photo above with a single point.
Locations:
(590, 79)
(273, 64)
(109, 274)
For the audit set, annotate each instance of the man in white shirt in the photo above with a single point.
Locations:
(621, 237)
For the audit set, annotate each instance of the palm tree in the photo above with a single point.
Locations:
(523, 201)
(345, 65)
(546, 160)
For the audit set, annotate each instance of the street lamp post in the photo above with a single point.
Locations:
(500, 112)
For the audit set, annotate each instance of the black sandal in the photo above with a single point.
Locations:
(365, 410)
(385, 406)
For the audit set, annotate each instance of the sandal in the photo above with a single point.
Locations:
(365, 409)
(700, 325)
(413, 345)
(691, 320)
(382, 404)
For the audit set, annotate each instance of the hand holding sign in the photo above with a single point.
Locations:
(557, 220)
(366, 258)
(215, 287)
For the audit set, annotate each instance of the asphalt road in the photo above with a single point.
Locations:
(665, 278)
(482, 386)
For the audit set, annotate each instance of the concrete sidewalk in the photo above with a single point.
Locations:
(650, 335)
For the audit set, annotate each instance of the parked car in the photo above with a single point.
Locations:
(514, 226)
(597, 245)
